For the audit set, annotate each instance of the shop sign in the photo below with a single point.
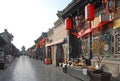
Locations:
(96, 21)
(117, 44)
(116, 23)
(85, 71)
(1, 57)
(104, 17)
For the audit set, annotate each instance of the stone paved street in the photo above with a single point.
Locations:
(26, 69)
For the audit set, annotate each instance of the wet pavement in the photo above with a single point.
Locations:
(26, 69)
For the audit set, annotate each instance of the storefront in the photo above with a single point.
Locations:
(2, 59)
(59, 54)
(2, 53)
(55, 51)
(40, 47)
(102, 25)
(109, 33)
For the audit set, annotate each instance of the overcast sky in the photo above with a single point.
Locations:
(27, 19)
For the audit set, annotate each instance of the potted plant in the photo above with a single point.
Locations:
(99, 74)
(97, 47)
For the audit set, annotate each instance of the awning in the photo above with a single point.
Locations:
(34, 50)
(82, 32)
(75, 33)
(56, 42)
(101, 24)
(88, 30)
(78, 34)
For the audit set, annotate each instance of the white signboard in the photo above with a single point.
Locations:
(84, 71)
(104, 17)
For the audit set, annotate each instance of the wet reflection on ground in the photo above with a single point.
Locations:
(26, 69)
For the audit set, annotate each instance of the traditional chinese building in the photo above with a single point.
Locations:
(7, 47)
(40, 46)
(87, 27)
(31, 52)
(8, 38)
(56, 45)
(2, 52)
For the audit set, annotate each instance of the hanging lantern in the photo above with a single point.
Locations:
(43, 41)
(89, 12)
(37, 45)
(68, 23)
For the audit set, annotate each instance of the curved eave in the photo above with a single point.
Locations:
(2, 42)
(72, 7)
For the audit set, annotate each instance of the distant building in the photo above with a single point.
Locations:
(23, 51)
(8, 38)
(40, 46)
(31, 52)
(6, 46)
(2, 43)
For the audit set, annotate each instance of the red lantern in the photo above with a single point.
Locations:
(68, 23)
(89, 12)
(43, 41)
(40, 43)
(37, 45)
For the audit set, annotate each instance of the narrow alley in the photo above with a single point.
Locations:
(62, 40)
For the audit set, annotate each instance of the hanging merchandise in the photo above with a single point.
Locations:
(68, 23)
(109, 5)
(89, 12)
(104, 1)
(77, 21)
